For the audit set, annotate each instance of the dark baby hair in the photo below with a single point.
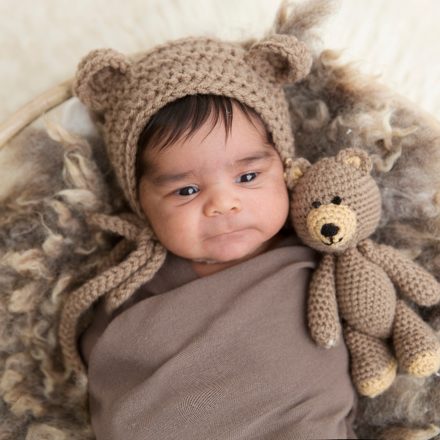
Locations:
(183, 117)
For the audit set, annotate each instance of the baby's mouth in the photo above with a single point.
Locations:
(228, 233)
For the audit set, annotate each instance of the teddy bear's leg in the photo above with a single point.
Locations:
(416, 345)
(373, 367)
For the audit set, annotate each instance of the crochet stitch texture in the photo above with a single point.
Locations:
(360, 287)
(126, 93)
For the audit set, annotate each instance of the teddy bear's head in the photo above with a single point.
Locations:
(335, 202)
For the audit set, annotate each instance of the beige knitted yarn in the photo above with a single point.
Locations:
(335, 207)
(124, 93)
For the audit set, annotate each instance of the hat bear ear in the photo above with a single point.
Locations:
(356, 158)
(96, 76)
(283, 56)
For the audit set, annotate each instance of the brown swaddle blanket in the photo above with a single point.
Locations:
(225, 356)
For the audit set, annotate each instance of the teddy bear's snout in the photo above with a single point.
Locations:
(332, 225)
(329, 230)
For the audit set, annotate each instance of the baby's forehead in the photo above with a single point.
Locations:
(210, 152)
(195, 132)
(242, 131)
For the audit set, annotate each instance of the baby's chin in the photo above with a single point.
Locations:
(230, 255)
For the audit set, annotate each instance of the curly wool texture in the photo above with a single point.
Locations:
(47, 249)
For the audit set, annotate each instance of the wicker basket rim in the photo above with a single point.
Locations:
(35, 108)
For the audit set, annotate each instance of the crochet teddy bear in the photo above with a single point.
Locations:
(360, 286)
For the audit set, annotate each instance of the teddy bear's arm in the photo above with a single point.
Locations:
(411, 279)
(323, 317)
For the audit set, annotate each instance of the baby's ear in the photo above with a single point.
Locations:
(283, 57)
(295, 169)
(96, 76)
(356, 158)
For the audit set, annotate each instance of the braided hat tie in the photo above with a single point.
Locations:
(117, 282)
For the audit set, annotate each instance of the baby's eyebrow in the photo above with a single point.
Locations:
(165, 179)
(254, 158)
(168, 178)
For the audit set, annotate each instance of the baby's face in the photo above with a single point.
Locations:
(215, 200)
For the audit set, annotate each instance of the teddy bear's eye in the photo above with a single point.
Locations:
(316, 204)
(336, 200)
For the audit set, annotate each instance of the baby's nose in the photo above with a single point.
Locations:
(222, 203)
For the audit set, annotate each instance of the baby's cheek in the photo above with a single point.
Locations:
(282, 212)
(175, 232)
(270, 213)
(279, 200)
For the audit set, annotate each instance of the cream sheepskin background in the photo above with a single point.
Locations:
(42, 41)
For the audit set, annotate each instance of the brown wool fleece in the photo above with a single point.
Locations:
(334, 106)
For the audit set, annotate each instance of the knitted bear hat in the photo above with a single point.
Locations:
(124, 93)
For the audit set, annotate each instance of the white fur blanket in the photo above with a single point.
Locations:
(41, 42)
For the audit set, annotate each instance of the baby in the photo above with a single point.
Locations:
(207, 195)
(200, 332)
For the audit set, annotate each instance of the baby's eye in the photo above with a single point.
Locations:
(248, 177)
(187, 191)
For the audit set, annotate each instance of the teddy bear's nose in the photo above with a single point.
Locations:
(329, 230)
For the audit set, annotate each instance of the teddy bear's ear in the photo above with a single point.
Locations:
(283, 57)
(295, 169)
(355, 158)
(96, 75)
